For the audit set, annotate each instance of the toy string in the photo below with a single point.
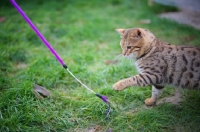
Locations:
(103, 98)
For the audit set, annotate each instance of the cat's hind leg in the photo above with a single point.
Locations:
(156, 91)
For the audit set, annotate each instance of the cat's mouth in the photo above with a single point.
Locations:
(131, 51)
(132, 55)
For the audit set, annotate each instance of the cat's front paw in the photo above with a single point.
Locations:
(119, 85)
(150, 102)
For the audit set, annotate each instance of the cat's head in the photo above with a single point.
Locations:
(135, 42)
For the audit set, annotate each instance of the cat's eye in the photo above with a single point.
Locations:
(128, 47)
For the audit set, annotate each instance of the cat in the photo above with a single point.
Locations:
(158, 63)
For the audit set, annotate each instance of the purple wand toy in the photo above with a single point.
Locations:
(103, 98)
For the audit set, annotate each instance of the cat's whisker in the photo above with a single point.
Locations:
(129, 57)
(118, 57)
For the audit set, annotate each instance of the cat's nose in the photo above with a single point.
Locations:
(124, 53)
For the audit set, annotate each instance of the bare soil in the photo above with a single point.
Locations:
(184, 16)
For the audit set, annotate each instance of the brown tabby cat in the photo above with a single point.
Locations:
(158, 63)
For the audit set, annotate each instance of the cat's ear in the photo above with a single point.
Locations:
(139, 33)
(121, 31)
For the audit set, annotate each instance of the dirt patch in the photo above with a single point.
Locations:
(189, 11)
(184, 16)
(93, 128)
(175, 99)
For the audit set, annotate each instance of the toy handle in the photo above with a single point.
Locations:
(104, 98)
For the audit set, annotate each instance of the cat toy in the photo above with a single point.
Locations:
(103, 98)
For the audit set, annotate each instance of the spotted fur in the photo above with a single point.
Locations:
(158, 63)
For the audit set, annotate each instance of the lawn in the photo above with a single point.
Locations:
(83, 34)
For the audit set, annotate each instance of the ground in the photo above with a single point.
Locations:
(83, 34)
(189, 12)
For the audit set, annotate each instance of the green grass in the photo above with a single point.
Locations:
(82, 33)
